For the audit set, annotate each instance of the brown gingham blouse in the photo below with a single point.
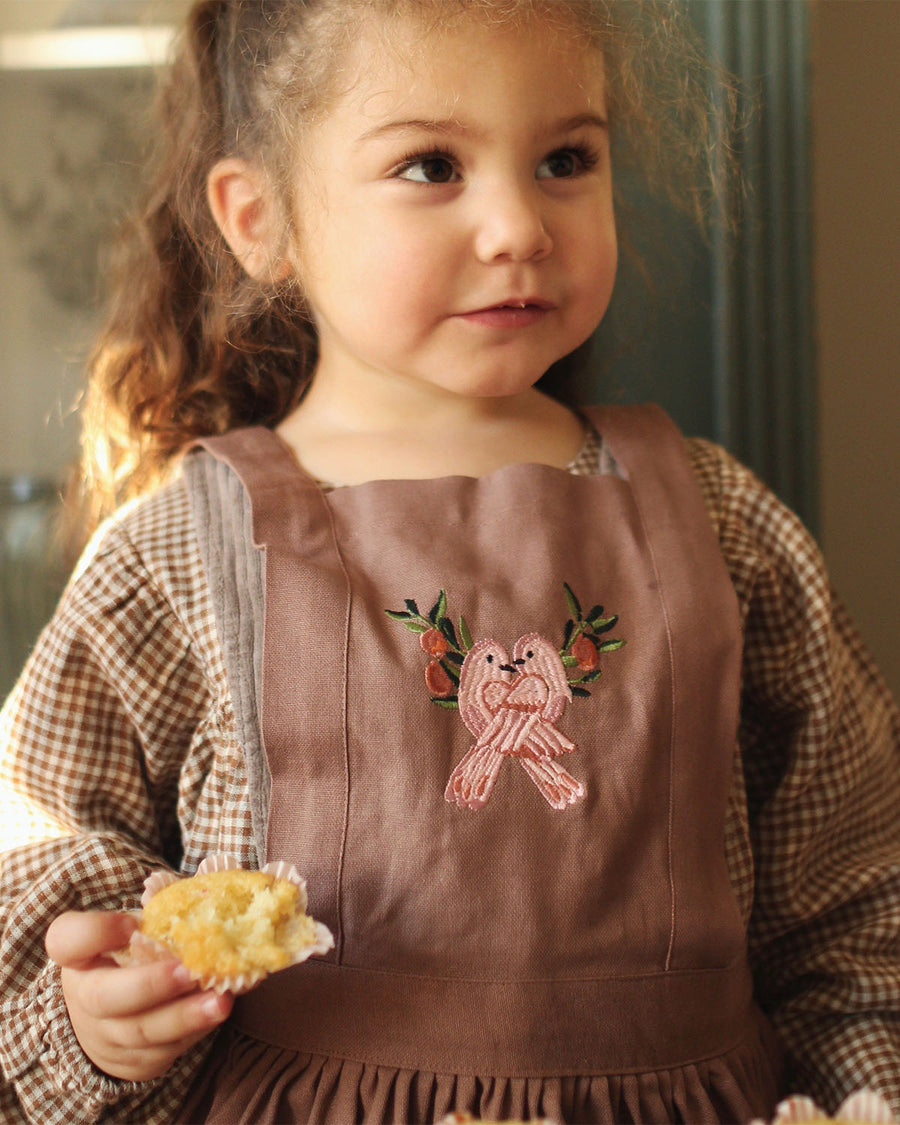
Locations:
(122, 732)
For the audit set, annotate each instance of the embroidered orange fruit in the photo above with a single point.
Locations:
(585, 652)
(434, 642)
(437, 680)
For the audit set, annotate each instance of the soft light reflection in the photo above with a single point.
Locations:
(86, 48)
(22, 824)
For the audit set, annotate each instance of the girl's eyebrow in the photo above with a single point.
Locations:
(451, 125)
(414, 125)
(580, 120)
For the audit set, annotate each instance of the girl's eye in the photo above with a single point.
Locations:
(432, 169)
(566, 162)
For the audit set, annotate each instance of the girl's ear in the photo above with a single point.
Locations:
(242, 205)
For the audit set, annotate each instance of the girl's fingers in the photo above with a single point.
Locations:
(145, 1063)
(113, 992)
(132, 1022)
(74, 940)
(176, 1025)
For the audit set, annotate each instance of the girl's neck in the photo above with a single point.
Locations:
(346, 440)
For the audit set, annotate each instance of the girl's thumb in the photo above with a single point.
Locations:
(75, 939)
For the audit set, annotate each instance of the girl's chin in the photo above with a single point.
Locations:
(493, 384)
(498, 390)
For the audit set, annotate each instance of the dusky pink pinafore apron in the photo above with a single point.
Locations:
(499, 717)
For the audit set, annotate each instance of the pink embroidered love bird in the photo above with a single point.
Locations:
(512, 707)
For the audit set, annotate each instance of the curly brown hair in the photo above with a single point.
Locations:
(192, 345)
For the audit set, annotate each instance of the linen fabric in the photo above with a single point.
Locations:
(547, 924)
(133, 664)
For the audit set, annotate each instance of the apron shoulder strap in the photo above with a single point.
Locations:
(235, 571)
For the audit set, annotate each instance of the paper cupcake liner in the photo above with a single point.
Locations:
(460, 1117)
(463, 1118)
(143, 950)
(862, 1108)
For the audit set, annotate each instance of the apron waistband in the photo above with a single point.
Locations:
(514, 1028)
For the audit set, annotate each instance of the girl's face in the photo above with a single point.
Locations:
(454, 209)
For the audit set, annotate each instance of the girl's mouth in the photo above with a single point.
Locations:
(517, 312)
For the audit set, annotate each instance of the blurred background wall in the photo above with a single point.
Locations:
(71, 143)
(856, 223)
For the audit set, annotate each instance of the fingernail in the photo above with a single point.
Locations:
(182, 976)
(130, 922)
(212, 1007)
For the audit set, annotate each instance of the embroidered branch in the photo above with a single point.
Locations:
(440, 641)
(582, 644)
(511, 704)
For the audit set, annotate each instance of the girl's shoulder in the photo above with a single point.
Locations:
(146, 553)
(740, 502)
(154, 528)
(729, 487)
(788, 609)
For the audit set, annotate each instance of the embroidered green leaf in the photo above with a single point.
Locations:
(450, 670)
(572, 602)
(458, 644)
(439, 609)
(446, 627)
(604, 624)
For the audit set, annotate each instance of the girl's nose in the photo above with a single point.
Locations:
(511, 226)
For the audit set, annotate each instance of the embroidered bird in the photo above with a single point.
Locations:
(484, 683)
(511, 708)
(544, 691)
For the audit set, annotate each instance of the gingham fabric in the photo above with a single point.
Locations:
(121, 731)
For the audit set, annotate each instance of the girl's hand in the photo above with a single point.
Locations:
(133, 1022)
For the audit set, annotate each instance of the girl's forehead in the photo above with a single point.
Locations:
(401, 59)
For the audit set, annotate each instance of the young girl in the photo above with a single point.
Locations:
(362, 623)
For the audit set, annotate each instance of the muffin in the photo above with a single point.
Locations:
(463, 1118)
(230, 927)
(862, 1108)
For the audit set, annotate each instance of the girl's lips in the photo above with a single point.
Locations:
(514, 314)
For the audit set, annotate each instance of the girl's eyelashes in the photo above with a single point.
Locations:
(427, 168)
(438, 167)
(565, 163)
